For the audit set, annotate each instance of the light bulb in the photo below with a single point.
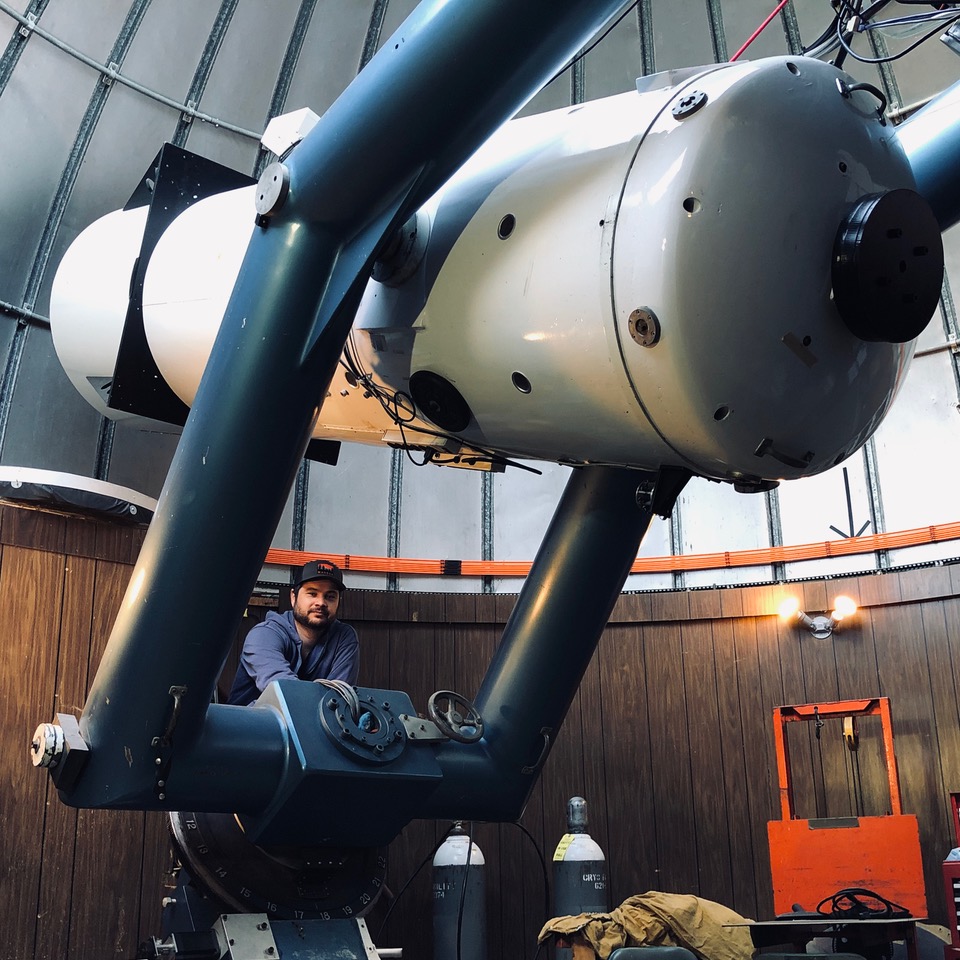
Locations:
(788, 608)
(843, 607)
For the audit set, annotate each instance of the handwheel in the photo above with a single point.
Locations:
(461, 721)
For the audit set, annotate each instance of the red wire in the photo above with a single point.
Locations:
(763, 26)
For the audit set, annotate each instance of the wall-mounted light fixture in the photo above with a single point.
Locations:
(821, 626)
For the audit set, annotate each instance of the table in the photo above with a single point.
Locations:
(860, 934)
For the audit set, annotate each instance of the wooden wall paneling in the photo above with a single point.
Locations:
(374, 655)
(855, 652)
(924, 583)
(943, 692)
(106, 915)
(413, 666)
(670, 605)
(799, 740)
(632, 854)
(819, 685)
(833, 788)
(119, 542)
(948, 700)
(766, 797)
(156, 873)
(704, 604)
(868, 769)
(486, 609)
(252, 615)
(791, 665)
(60, 823)
(36, 529)
(427, 608)
(905, 678)
(632, 608)
(873, 589)
(669, 749)
(815, 598)
(353, 605)
(594, 725)
(731, 602)
(379, 605)
(106, 889)
(80, 537)
(707, 753)
(460, 608)
(504, 606)
(857, 677)
(762, 600)
(752, 856)
(754, 706)
(31, 583)
(743, 895)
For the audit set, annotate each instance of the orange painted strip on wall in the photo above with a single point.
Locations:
(936, 533)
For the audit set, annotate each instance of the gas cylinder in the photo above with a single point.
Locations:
(459, 899)
(579, 867)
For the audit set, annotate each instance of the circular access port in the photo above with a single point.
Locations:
(692, 205)
(721, 413)
(439, 401)
(521, 382)
(793, 68)
(506, 226)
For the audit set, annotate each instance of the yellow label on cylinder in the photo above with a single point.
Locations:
(565, 842)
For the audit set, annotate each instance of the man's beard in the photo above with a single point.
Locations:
(304, 620)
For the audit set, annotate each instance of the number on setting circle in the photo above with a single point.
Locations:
(460, 721)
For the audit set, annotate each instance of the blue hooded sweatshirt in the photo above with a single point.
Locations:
(273, 650)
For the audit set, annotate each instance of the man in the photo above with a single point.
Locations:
(305, 643)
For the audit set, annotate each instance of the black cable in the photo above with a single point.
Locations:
(931, 16)
(413, 876)
(847, 49)
(849, 904)
(543, 870)
(824, 37)
(394, 403)
(845, 12)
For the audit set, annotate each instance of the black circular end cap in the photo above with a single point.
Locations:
(440, 401)
(888, 267)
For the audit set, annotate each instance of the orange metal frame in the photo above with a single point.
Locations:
(876, 706)
(811, 860)
(935, 533)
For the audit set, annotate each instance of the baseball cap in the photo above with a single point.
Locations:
(319, 570)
